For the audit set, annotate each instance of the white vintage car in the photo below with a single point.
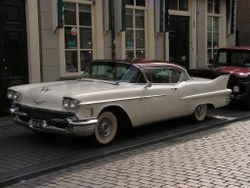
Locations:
(113, 93)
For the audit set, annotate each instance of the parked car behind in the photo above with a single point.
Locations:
(236, 62)
(111, 93)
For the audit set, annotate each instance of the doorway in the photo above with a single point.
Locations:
(13, 48)
(179, 40)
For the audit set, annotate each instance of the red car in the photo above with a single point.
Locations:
(236, 62)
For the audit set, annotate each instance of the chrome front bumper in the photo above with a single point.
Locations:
(73, 126)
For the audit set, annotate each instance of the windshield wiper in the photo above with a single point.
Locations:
(109, 82)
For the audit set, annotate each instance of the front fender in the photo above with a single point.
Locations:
(133, 109)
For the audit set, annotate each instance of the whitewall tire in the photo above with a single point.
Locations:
(200, 112)
(106, 128)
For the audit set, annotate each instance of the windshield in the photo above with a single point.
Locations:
(239, 58)
(112, 71)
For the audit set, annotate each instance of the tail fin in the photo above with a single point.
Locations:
(222, 80)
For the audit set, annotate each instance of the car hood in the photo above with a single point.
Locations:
(50, 95)
(233, 70)
(215, 71)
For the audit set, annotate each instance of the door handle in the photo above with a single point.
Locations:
(175, 88)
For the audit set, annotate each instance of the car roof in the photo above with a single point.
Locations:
(143, 63)
(237, 48)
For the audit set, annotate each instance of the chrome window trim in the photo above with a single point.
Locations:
(121, 99)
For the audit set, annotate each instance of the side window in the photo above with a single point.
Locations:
(184, 77)
(175, 75)
(222, 58)
(166, 75)
(158, 75)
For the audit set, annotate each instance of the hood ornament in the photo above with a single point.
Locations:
(38, 102)
(45, 89)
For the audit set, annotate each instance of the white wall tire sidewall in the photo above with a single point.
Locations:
(198, 117)
(113, 132)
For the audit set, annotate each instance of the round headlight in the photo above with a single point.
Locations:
(10, 94)
(74, 104)
(69, 103)
(236, 89)
(16, 96)
(66, 103)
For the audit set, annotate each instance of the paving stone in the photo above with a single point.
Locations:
(213, 158)
(232, 186)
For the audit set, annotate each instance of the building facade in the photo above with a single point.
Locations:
(243, 23)
(43, 40)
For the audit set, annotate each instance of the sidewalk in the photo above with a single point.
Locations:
(216, 158)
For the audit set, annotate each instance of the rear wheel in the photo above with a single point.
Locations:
(200, 113)
(106, 128)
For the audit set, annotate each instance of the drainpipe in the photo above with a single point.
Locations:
(112, 28)
(40, 39)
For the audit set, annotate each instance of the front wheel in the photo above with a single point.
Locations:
(106, 128)
(200, 113)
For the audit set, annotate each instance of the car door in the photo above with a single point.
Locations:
(161, 99)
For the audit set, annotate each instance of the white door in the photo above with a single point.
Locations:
(161, 99)
(161, 102)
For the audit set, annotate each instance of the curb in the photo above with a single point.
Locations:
(4, 118)
(37, 170)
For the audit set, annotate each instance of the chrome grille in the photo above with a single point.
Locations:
(37, 113)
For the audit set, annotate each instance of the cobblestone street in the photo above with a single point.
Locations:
(219, 157)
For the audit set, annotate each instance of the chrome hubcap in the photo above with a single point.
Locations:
(200, 110)
(105, 127)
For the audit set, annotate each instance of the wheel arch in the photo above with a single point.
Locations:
(122, 116)
(210, 105)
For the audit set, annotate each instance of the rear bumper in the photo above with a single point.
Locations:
(244, 93)
(239, 97)
(71, 125)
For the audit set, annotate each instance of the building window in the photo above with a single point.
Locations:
(78, 36)
(213, 20)
(135, 29)
(181, 5)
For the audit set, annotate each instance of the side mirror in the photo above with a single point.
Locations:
(149, 84)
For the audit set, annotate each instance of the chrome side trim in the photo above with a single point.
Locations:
(121, 99)
(209, 94)
(110, 100)
(152, 96)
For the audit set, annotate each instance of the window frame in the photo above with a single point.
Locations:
(178, 7)
(134, 29)
(182, 74)
(62, 41)
(213, 15)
